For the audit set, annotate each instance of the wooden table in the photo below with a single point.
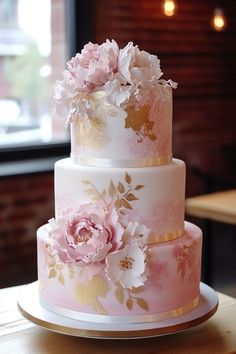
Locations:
(19, 336)
(220, 206)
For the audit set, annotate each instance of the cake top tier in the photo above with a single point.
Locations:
(119, 109)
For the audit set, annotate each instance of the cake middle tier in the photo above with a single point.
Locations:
(150, 196)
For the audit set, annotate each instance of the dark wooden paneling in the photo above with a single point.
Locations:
(200, 59)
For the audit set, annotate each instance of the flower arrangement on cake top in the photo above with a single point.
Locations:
(105, 74)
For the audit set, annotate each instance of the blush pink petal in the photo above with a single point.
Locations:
(88, 235)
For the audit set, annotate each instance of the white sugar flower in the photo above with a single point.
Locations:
(136, 233)
(138, 67)
(64, 102)
(127, 266)
(117, 94)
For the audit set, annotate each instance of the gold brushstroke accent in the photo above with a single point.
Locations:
(88, 293)
(93, 134)
(131, 297)
(134, 298)
(121, 193)
(55, 269)
(140, 123)
(168, 236)
(183, 260)
(119, 293)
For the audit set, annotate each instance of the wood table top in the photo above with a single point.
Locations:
(220, 206)
(19, 336)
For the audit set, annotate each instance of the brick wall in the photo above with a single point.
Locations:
(26, 203)
(202, 61)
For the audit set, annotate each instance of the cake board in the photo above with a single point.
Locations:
(30, 307)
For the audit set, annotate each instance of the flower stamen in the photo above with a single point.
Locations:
(84, 235)
(126, 263)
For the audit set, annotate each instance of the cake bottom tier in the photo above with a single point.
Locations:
(170, 287)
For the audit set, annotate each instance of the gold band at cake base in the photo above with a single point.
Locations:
(148, 162)
(168, 236)
(109, 319)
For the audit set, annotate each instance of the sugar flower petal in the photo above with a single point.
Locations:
(127, 266)
(87, 235)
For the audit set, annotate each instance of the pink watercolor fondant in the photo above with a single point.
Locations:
(161, 146)
(164, 289)
(164, 216)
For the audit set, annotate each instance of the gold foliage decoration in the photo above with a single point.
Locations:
(121, 193)
(55, 269)
(88, 293)
(131, 297)
(140, 123)
(93, 134)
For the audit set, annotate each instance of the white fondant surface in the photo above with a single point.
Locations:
(159, 204)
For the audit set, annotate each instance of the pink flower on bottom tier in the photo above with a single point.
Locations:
(87, 235)
(127, 266)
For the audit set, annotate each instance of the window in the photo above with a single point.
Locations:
(33, 53)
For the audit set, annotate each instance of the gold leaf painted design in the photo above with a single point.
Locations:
(125, 193)
(120, 188)
(119, 293)
(52, 273)
(61, 278)
(143, 304)
(129, 303)
(127, 178)
(71, 272)
(112, 190)
(126, 204)
(121, 193)
(118, 204)
(85, 181)
(185, 256)
(131, 297)
(93, 192)
(130, 197)
(139, 301)
(138, 187)
(88, 293)
(140, 123)
(55, 269)
(136, 290)
(93, 134)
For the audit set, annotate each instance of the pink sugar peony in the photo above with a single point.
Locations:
(88, 235)
(93, 67)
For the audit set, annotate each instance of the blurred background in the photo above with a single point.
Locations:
(196, 43)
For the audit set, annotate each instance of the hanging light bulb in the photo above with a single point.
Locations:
(219, 20)
(169, 7)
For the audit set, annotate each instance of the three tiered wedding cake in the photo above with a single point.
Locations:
(118, 249)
